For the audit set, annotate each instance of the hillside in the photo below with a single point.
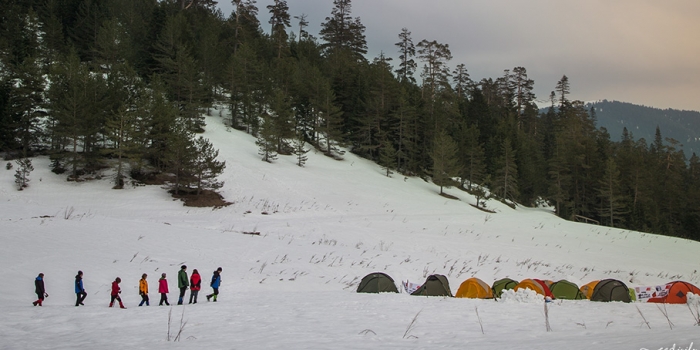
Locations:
(322, 228)
(641, 121)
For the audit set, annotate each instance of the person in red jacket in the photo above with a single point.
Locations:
(163, 290)
(115, 293)
(195, 285)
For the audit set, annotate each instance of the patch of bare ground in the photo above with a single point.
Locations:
(206, 198)
(449, 196)
(483, 209)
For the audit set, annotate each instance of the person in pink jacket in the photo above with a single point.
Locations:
(163, 290)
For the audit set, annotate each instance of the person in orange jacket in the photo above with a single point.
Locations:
(195, 285)
(143, 290)
(115, 293)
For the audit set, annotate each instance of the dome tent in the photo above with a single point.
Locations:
(474, 288)
(534, 284)
(676, 293)
(435, 285)
(611, 290)
(564, 289)
(503, 284)
(377, 282)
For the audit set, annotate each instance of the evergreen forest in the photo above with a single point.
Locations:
(125, 84)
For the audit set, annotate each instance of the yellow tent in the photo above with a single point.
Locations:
(588, 289)
(537, 286)
(474, 288)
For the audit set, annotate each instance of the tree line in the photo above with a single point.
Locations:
(129, 80)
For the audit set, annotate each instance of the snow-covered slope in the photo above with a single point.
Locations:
(322, 228)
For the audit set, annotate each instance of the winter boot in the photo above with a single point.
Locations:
(39, 302)
(35, 302)
(209, 297)
(215, 297)
(111, 304)
(142, 301)
(121, 306)
(147, 303)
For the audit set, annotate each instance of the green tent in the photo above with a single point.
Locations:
(377, 282)
(501, 285)
(566, 290)
(611, 290)
(435, 285)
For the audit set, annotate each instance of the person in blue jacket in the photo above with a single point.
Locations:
(215, 283)
(79, 289)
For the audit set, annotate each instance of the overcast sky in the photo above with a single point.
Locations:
(640, 51)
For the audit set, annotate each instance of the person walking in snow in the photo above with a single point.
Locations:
(215, 283)
(115, 293)
(79, 289)
(182, 283)
(143, 290)
(195, 285)
(40, 290)
(163, 290)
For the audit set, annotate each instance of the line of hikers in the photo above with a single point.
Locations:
(194, 282)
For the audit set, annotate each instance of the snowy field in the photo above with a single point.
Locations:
(322, 228)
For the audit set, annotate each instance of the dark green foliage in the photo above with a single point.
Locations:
(130, 81)
(24, 167)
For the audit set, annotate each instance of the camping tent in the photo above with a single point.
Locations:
(534, 284)
(566, 290)
(588, 288)
(499, 286)
(474, 288)
(377, 282)
(435, 285)
(611, 290)
(675, 293)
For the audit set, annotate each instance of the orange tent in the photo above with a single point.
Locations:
(474, 288)
(588, 289)
(534, 284)
(676, 293)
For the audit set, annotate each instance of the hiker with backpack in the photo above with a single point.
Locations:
(143, 290)
(182, 283)
(163, 290)
(215, 283)
(40, 290)
(115, 293)
(195, 285)
(79, 289)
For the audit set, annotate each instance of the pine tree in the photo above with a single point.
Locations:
(24, 168)
(407, 65)
(206, 168)
(505, 183)
(445, 162)
(387, 156)
(612, 205)
(462, 83)
(280, 21)
(181, 154)
(267, 140)
(472, 157)
(299, 150)
(342, 33)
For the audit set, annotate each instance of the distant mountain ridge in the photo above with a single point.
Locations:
(641, 122)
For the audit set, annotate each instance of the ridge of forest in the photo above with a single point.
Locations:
(642, 121)
(124, 84)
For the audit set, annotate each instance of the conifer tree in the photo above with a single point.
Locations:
(267, 139)
(24, 168)
(505, 181)
(343, 34)
(407, 50)
(612, 206)
(206, 168)
(299, 151)
(445, 162)
(461, 80)
(387, 156)
(472, 157)
(181, 154)
(280, 21)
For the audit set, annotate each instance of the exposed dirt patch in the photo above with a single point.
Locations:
(449, 196)
(205, 199)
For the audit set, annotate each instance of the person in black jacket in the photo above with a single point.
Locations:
(40, 290)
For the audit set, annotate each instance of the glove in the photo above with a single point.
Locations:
(46, 295)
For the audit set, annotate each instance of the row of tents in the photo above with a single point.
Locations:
(601, 290)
